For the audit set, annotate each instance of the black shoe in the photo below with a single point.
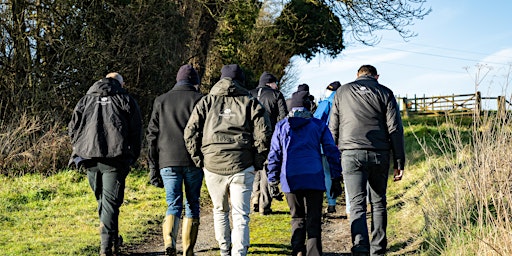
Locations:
(266, 212)
(255, 208)
(331, 209)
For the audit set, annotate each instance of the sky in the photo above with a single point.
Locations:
(461, 47)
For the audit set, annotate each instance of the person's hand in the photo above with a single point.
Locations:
(336, 189)
(155, 179)
(259, 161)
(398, 174)
(275, 193)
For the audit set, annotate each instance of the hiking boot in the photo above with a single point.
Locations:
(331, 209)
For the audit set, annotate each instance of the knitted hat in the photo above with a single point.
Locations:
(303, 87)
(267, 78)
(234, 71)
(334, 86)
(187, 75)
(300, 99)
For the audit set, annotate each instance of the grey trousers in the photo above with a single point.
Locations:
(366, 174)
(260, 192)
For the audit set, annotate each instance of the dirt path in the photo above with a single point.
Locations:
(335, 238)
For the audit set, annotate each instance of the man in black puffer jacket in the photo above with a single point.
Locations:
(106, 133)
(273, 100)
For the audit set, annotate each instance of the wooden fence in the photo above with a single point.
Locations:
(462, 104)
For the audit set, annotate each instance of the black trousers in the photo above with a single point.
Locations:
(306, 211)
(107, 181)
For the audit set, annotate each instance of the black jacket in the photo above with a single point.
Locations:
(170, 115)
(106, 123)
(273, 101)
(365, 115)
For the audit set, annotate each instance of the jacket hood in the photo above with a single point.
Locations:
(298, 119)
(105, 87)
(228, 87)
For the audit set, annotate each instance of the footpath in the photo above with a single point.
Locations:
(336, 239)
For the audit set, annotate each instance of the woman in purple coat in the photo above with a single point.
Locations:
(295, 162)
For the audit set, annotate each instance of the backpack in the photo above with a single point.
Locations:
(323, 108)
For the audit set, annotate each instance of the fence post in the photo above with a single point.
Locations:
(478, 103)
(405, 108)
(501, 107)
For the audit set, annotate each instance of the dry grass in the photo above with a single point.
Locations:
(468, 205)
(32, 144)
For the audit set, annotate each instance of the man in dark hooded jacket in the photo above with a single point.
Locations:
(228, 135)
(106, 133)
(273, 100)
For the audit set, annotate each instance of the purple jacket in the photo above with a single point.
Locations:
(295, 158)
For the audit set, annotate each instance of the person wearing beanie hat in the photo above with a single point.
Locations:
(300, 99)
(187, 75)
(322, 112)
(233, 71)
(303, 87)
(228, 135)
(295, 162)
(333, 86)
(106, 135)
(275, 105)
(170, 164)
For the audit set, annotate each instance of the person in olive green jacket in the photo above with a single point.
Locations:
(228, 135)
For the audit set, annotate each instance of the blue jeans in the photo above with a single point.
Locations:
(366, 174)
(174, 178)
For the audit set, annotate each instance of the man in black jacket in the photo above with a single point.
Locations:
(170, 163)
(365, 122)
(273, 100)
(106, 133)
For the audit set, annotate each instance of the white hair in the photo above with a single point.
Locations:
(116, 76)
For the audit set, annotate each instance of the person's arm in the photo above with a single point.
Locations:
(281, 104)
(334, 119)
(332, 153)
(262, 133)
(193, 133)
(152, 138)
(275, 158)
(396, 135)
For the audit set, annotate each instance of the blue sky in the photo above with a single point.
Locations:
(443, 59)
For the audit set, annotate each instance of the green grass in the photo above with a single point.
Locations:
(57, 214)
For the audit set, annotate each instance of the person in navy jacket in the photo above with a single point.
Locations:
(295, 162)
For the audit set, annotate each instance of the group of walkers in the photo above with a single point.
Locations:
(250, 147)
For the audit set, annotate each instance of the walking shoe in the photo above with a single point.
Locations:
(331, 209)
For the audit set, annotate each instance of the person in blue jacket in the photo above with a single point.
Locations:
(295, 162)
(322, 112)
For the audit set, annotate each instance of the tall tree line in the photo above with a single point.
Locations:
(51, 51)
